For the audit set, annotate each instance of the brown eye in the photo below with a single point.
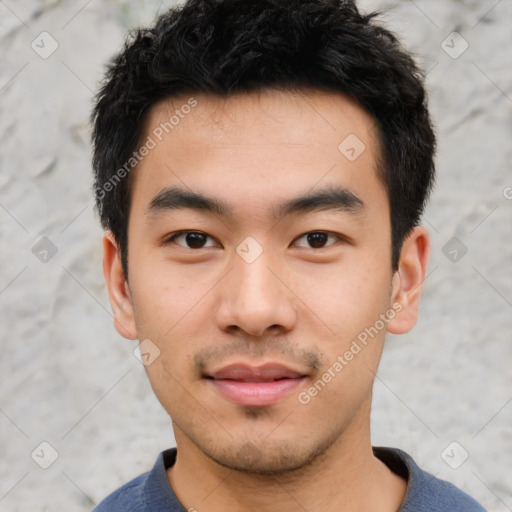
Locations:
(316, 239)
(193, 239)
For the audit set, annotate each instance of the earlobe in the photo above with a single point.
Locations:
(408, 280)
(118, 290)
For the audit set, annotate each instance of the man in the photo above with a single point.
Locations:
(260, 170)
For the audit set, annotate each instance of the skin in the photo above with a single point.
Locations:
(297, 304)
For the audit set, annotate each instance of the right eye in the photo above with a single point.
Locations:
(191, 239)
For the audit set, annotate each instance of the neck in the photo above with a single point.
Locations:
(345, 477)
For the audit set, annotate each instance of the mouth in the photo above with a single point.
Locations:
(259, 386)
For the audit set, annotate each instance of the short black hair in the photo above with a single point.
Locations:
(223, 47)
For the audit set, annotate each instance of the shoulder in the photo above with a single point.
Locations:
(425, 492)
(150, 491)
(129, 497)
(432, 493)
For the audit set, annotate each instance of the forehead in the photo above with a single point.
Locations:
(301, 117)
(260, 143)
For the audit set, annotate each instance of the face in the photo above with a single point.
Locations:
(260, 279)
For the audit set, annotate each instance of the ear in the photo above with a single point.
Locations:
(118, 290)
(408, 280)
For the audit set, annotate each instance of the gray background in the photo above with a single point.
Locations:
(68, 379)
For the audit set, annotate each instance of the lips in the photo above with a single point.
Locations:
(258, 386)
(264, 373)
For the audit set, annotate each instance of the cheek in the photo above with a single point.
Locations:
(171, 309)
(160, 297)
(348, 298)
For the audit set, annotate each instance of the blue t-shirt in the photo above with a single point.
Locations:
(151, 492)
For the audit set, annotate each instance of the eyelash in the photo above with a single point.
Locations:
(171, 238)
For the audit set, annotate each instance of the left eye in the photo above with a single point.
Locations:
(193, 239)
(317, 239)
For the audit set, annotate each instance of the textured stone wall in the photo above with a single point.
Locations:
(70, 382)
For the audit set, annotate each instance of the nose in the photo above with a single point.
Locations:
(256, 299)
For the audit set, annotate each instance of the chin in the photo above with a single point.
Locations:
(270, 459)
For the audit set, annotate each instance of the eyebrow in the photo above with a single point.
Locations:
(333, 198)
